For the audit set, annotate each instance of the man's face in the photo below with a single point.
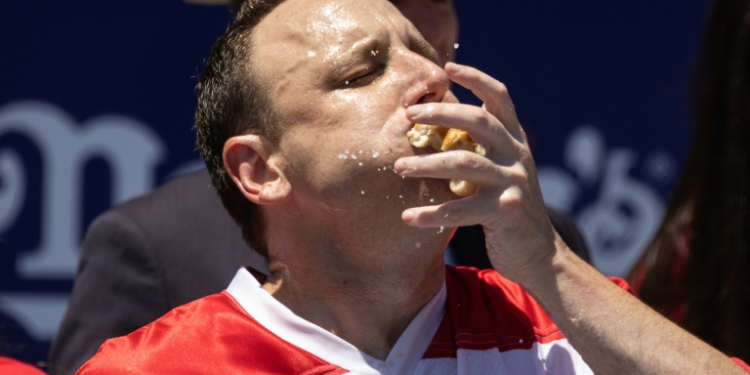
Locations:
(436, 20)
(340, 73)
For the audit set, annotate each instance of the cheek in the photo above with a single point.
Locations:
(356, 107)
(328, 164)
(365, 117)
(347, 138)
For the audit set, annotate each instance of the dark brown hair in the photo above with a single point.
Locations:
(707, 225)
(232, 101)
(234, 6)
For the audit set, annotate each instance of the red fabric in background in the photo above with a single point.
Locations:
(9, 366)
(742, 364)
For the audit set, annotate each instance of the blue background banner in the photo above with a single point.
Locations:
(97, 100)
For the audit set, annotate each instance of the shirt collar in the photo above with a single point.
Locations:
(277, 318)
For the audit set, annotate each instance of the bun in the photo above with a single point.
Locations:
(444, 139)
(421, 136)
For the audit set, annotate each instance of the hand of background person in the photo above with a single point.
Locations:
(508, 202)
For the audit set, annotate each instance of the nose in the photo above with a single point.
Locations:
(429, 82)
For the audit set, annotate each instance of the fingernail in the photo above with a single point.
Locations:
(417, 110)
(413, 111)
(404, 169)
(408, 215)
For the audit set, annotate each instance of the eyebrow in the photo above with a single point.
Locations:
(364, 46)
(343, 61)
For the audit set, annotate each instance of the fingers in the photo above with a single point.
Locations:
(460, 165)
(504, 175)
(498, 186)
(489, 208)
(492, 92)
(462, 212)
(480, 124)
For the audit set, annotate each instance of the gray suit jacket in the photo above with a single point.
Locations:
(154, 253)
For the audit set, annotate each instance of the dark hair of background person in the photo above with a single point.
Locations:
(232, 101)
(235, 5)
(697, 265)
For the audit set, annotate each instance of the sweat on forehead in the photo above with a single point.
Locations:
(326, 29)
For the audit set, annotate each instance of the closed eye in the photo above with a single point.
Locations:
(364, 78)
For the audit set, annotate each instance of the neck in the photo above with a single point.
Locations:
(365, 292)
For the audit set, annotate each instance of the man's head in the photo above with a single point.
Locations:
(311, 94)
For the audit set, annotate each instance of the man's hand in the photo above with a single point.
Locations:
(615, 333)
(508, 202)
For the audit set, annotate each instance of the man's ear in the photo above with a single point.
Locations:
(247, 159)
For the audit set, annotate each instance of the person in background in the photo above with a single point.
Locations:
(695, 271)
(139, 259)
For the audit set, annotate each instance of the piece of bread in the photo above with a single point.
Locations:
(443, 139)
(422, 136)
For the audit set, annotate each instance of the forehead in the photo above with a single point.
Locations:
(324, 29)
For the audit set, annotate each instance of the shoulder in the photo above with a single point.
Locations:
(175, 334)
(187, 331)
(213, 329)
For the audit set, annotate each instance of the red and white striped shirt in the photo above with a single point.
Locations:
(479, 323)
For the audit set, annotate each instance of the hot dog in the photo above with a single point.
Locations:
(444, 139)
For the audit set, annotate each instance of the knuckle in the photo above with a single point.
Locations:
(517, 174)
(520, 177)
(465, 160)
(511, 199)
(502, 88)
(524, 154)
(454, 214)
(479, 116)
